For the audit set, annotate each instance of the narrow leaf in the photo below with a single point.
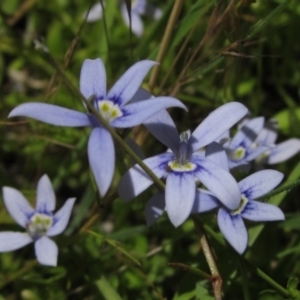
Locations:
(107, 290)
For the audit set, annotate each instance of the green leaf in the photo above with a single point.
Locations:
(265, 21)
(203, 293)
(117, 246)
(269, 295)
(107, 290)
(196, 12)
(186, 296)
(83, 207)
(292, 284)
(292, 287)
(284, 118)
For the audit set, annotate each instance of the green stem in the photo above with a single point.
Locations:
(244, 281)
(190, 269)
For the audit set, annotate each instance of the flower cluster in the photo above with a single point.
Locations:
(196, 167)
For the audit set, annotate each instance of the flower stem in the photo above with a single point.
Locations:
(190, 269)
(244, 281)
(215, 279)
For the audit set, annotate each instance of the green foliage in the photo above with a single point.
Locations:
(219, 51)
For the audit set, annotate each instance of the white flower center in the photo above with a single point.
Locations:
(39, 225)
(240, 209)
(238, 154)
(109, 110)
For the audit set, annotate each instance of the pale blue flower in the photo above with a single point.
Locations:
(184, 164)
(252, 187)
(276, 153)
(138, 9)
(113, 106)
(204, 200)
(242, 149)
(40, 223)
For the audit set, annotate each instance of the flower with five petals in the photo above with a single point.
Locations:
(184, 164)
(40, 223)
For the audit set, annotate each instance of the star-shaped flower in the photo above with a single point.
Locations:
(242, 149)
(184, 164)
(252, 187)
(113, 106)
(40, 223)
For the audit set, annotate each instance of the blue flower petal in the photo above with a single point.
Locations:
(61, 218)
(180, 195)
(45, 196)
(17, 206)
(248, 133)
(135, 180)
(284, 151)
(259, 211)
(10, 241)
(136, 113)
(216, 153)
(218, 181)
(241, 165)
(233, 229)
(204, 201)
(268, 134)
(260, 183)
(140, 95)
(216, 123)
(101, 153)
(155, 208)
(161, 125)
(125, 88)
(93, 79)
(253, 154)
(46, 251)
(51, 114)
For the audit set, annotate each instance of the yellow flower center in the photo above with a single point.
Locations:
(177, 167)
(109, 110)
(238, 154)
